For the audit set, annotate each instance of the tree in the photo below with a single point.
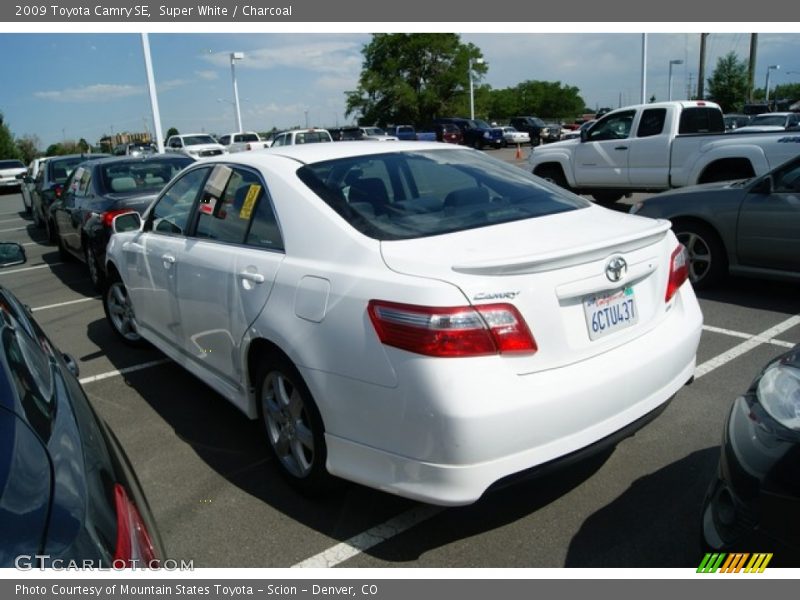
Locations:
(412, 78)
(170, 132)
(8, 148)
(728, 84)
(28, 146)
(83, 145)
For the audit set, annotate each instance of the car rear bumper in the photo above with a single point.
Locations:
(465, 427)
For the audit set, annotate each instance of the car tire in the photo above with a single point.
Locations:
(554, 175)
(292, 425)
(119, 313)
(606, 198)
(708, 260)
(95, 271)
(63, 253)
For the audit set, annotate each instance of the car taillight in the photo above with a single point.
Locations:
(108, 216)
(248, 147)
(452, 331)
(678, 271)
(134, 546)
(57, 190)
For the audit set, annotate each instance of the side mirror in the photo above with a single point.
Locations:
(12, 254)
(131, 221)
(763, 186)
(584, 134)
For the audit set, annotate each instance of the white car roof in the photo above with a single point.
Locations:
(322, 151)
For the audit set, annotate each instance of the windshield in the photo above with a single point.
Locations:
(396, 196)
(779, 120)
(480, 124)
(374, 131)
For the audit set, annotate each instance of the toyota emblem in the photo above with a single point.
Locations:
(616, 268)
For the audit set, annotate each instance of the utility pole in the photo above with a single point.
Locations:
(751, 66)
(689, 87)
(701, 71)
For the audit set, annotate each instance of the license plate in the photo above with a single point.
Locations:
(610, 311)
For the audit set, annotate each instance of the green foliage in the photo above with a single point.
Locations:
(61, 148)
(727, 86)
(28, 146)
(8, 148)
(172, 131)
(412, 78)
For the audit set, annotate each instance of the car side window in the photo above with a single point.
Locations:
(613, 127)
(264, 231)
(787, 180)
(652, 122)
(170, 215)
(226, 217)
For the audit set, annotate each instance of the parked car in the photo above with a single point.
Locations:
(735, 121)
(531, 125)
(377, 134)
(476, 132)
(576, 133)
(99, 190)
(68, 490)
(243, 141)
(140, 149)
(747, 227)
(11, 172)
(49, 185)
(364, 300)
(514, 137)
(775, 121)
(347, 134)
(551, 132)
(196, 145)
(28, 182)
(301, 136)
(448, 133)
(405, 133)
(752, 502)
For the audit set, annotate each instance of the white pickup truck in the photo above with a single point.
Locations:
(243, 141)
(655, 147)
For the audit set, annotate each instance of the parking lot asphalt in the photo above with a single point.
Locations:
(220, 502)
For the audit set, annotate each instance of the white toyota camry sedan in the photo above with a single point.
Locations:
(415, 317)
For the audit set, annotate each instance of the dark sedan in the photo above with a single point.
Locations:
(753, 504)
(747, 227)
(97, 192)
(49, 185)
(67, 491)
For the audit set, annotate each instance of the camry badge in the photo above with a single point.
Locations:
(616, 268)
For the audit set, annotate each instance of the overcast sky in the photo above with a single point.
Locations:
(70, 86)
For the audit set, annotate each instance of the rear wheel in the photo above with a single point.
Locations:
(605, 198)
(119, 312)
(708, 262)
(292, 424)
(95, 272)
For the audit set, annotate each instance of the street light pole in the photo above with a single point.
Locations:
(672, 62)
(477, 61)
(766, 85)
(234, 57)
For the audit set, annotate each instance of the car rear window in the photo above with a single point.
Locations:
(701, 120)
(407, 195)
(60, 169)
(140, 176)
(11, 164)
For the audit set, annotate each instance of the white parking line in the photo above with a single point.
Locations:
(372, 537)
(44, 266)
(60, 304)
(762, 338)
(13, 229)
(117, 373)
(10, 220)
(746, 336)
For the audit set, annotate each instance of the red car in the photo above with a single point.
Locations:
(449, 133)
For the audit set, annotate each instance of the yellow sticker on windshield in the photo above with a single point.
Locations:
(249, 201)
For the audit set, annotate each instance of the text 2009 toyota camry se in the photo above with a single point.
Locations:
(422, 319)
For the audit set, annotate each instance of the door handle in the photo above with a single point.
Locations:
(620, 147)
(254, 277)
(168, 259)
